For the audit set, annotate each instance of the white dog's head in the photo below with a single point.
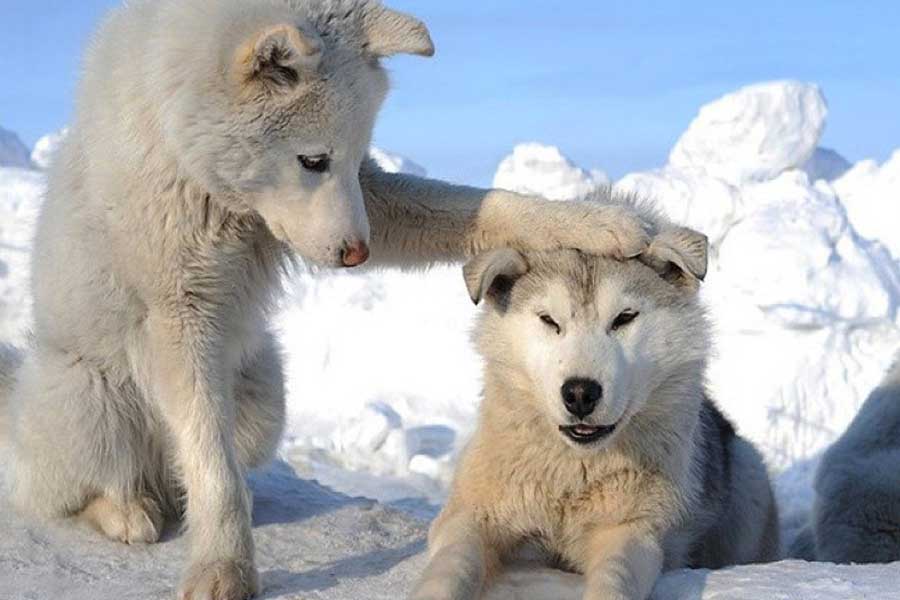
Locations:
(283, 121)
(582, 342)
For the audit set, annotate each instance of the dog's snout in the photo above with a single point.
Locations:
(354, 254)
(581, 396)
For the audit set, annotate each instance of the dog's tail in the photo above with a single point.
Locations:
(10, 361)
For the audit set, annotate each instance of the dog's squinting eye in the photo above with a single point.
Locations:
(624, 318)
(549, 322)
(317, 164)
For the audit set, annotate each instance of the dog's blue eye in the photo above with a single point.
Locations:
(549, 322)
(624, 318)
(317, 164)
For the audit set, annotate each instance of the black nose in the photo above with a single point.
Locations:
(581, 396)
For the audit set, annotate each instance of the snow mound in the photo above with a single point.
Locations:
(871, 194)
(394, 163)
(13, 153)
(754, 133)
(825, 164)
(46, 147)
(543, 170)
(20, 197)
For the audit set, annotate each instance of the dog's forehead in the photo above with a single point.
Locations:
(575, 280)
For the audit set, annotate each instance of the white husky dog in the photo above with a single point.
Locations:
(597, 442)
(213, 139)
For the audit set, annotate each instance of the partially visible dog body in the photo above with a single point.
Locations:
(856, 514)
(596, 441)
(213, 139)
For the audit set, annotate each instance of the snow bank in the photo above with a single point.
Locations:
(13, 153)
(394, 163)
(754, 133)
(543, 170)
(20, 196)
(871, 194)
(46, 147)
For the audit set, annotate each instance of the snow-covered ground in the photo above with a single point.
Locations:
(804, 288)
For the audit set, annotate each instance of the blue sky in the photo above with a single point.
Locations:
(611, 83)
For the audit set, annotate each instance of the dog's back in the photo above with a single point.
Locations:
(737, 497)
(856, 517)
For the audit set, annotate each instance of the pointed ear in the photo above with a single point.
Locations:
(492, 275)
(389, 32)
(278, 56)
(679, 255)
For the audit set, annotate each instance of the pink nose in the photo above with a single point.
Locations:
(355, 254)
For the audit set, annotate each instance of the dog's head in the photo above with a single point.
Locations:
(283, 123)
(582, 341)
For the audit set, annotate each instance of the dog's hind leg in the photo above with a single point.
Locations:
(80, 445)
(259, 394)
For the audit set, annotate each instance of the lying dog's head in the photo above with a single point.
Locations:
(282, 119)
(585, 341)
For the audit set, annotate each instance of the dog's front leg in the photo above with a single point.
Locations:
(624, 563)
(417, 221)
(460, 560)
(192, 384)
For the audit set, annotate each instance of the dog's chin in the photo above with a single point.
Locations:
(583, 435)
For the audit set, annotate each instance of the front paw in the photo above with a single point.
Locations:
(617, 232)
(220, 580)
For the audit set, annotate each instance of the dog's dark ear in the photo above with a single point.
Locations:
(679, 255)
(389, 32)
(492, 275)
(277, 57)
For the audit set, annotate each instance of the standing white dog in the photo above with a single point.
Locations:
(597, 443)
(212, 139)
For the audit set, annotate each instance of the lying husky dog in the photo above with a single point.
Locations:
(213, 140)
(856, 515)
(597, 442)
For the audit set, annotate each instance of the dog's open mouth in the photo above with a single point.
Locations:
(585, 434)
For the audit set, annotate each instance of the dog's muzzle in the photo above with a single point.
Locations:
(586, 434)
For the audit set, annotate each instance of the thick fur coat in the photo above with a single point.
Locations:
(214, 141)
(856, 514)
(597, 443)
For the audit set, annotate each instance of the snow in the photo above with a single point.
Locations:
(394, 163)
(45, 148)
(543, 170)
(383, 383)
(13, 153)
(754, 133)
(871, 194)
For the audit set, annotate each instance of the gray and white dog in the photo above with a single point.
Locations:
(597, 442)
(856, 514)
(213, 140)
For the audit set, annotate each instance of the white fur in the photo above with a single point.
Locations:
(173, 208)
(670, 486)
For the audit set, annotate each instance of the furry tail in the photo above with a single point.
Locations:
(10, 360)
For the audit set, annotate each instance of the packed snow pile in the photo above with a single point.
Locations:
(394, 163)
(543, 170)
(46, 147)
(754, 133)
(383, 384)
(13, 153)
(20, 196)
(871, 194)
